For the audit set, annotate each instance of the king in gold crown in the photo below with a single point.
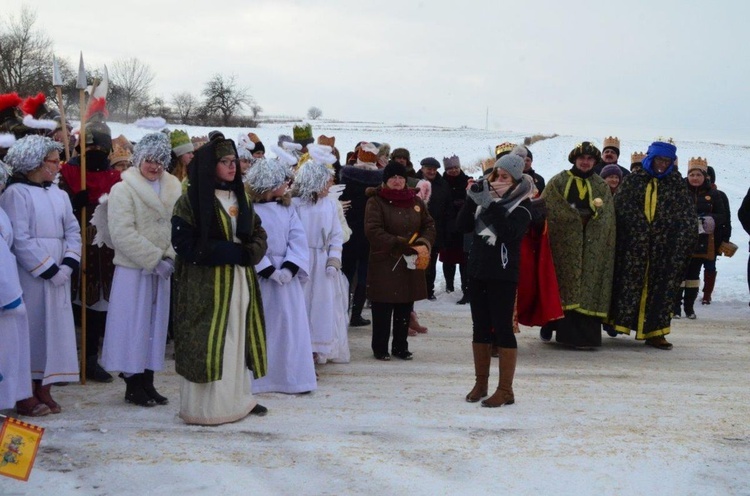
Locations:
(637, 157)
(611, 142)
(698, 163)
(503, 149)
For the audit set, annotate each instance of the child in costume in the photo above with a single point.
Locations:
(320, 218)
(282, 271)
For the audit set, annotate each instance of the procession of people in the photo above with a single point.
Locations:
(258, 266)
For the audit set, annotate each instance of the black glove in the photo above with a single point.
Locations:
(80, 199)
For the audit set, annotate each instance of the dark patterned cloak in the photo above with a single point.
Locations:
(657, 229)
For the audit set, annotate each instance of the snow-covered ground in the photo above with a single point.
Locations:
(625, 419)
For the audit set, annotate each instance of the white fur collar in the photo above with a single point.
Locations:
(171, 189)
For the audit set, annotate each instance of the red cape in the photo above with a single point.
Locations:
(97, 182)
(538, 299)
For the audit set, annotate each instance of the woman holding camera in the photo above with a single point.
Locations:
(497, 211)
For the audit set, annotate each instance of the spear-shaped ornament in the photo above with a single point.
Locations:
(57, 83)
(81, 87)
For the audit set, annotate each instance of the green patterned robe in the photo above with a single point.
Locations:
(203, 294)
(583, 255)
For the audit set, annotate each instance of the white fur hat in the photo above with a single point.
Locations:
(153, 147)
(28, 153)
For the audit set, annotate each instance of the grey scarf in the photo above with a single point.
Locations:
(510, 201)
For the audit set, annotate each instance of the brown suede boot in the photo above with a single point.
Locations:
(709, 281)
(504, 393)
(43, 394)
(481, 370)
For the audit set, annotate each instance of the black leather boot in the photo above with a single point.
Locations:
(148, 386)
(134, 392)
(94, 371)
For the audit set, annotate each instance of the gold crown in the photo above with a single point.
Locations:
(122, 150)
(488, 164)
(613, 141)
(698, 163)
(198, 141)
(503, 148)
(325, 140)
(637, 157)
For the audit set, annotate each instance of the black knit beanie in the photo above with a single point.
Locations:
(393, 169)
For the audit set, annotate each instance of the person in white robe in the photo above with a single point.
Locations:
(320, 218)
(47, 247)
(282, 270)
(340, 353)
(15, 368)
(139, 213)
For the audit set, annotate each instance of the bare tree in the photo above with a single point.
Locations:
(314, 113)
(156, 107)
(184, 105)
(256, 110)
(25, 55)
(134, 78)
(224, 97)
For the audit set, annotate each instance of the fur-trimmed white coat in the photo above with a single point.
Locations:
(140, 221)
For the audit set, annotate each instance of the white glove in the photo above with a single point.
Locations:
(709, 225)
(62, 276)
(332, 271)
(164, 268)
(281, 276)
(483, 197)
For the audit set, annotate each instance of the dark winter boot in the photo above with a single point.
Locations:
(464, 299)
(504, 393)
(677, 308)
(481, 371)
(134, 392)
(691, 294)
(709, 281)
(449, 273)
(358, 321)
(148, 386)
(94, 371)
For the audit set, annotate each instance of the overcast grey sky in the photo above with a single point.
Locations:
(638, 68)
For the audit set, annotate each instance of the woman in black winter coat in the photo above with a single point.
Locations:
(497, 211)
(712, 214)
(452, 253)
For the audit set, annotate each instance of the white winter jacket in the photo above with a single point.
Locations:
(140, 222)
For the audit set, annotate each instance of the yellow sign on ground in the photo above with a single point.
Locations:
(19, 442)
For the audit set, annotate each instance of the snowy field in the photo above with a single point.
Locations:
(625, 419)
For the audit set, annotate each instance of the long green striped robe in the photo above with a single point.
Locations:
(200, 306)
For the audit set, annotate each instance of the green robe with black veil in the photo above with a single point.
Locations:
(201, 305)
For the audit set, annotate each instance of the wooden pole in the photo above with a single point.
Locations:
(82, 103)
(82, 140)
